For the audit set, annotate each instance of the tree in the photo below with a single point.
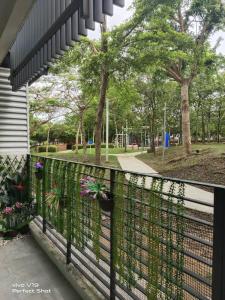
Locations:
(43, 106)
(104, 75)
(97, 63)
(207, 101)
(75, 103)
(174, 37)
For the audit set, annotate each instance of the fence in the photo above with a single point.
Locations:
(133, 236)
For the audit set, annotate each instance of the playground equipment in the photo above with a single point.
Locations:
(121, 139)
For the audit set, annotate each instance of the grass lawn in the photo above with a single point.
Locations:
(111, 151)
(70, 155)
(206, 163)
(113, 162)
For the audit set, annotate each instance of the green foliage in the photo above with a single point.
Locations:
(103, 146)
(15, 206)
(145, 226)
(81, 147)
(148, 58)
(50, 148)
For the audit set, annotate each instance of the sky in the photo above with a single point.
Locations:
(122, 14)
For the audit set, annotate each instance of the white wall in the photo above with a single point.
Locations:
(14, 136)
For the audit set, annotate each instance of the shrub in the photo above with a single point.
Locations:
(50, 149)
(91, 146)
(111, 146)
(79, 147)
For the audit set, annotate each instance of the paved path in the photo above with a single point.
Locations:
(24, 264)
(130, 163)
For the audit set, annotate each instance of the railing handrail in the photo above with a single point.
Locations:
(208, 272)
(153, 175)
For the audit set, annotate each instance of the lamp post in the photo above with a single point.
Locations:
(126, 136)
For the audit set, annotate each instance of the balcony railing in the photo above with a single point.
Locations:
(139, 236)
(152, 241)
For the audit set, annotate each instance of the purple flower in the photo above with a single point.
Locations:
(18, 205)
(84, 193)
(8, 210)
(39, 165)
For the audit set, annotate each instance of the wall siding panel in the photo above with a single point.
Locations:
(13, 117)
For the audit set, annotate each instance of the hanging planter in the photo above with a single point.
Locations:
(105, 202)
(63, 202)
(94, 190)
(39, 170)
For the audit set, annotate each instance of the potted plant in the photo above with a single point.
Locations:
(39, 170)
(15, 207)
(94, 190)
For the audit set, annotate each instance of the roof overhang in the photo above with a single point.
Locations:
(12, 16)
(49, 30)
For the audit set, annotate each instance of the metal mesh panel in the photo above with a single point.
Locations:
(160, 248)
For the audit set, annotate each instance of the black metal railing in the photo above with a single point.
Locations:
(156, 241)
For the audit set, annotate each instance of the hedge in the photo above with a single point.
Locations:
(91, 146)
(50, 149)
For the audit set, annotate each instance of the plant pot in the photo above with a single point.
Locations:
(39, 175)
(63, 202)
(10, 234)
(24, 230)
(106, 205)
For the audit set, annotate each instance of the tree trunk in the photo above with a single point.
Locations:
(186, 130)
(84, 142)
(203, 127)
(152, 132)
(103, 90)
(48, 136)
(208, 127)
(116, 140)
(218, 125)
(101, 105)
(77, 139)
(197, 125)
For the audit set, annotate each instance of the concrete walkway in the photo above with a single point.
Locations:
(27, 273)
(130, 163)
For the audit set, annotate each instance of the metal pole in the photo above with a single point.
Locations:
(44, 223)
(112, 224)
(122, 138)
(218, 276)
(126, 137)
(107, 131)
(69, 214)
(164, 130)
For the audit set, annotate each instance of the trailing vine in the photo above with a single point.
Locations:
(131, 231)
(118, 238)
(141, 208)
(78, 234)
(180, 227)
(97, 216)
(169, 242)
(148, 228)
(153, 240)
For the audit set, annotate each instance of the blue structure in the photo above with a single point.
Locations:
(167, 140)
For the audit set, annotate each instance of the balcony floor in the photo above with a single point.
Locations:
(22, 261)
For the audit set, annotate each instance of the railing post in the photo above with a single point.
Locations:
(218, 277)
(43, 197)
(112, 265)
(29, 177)
(69, 214)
